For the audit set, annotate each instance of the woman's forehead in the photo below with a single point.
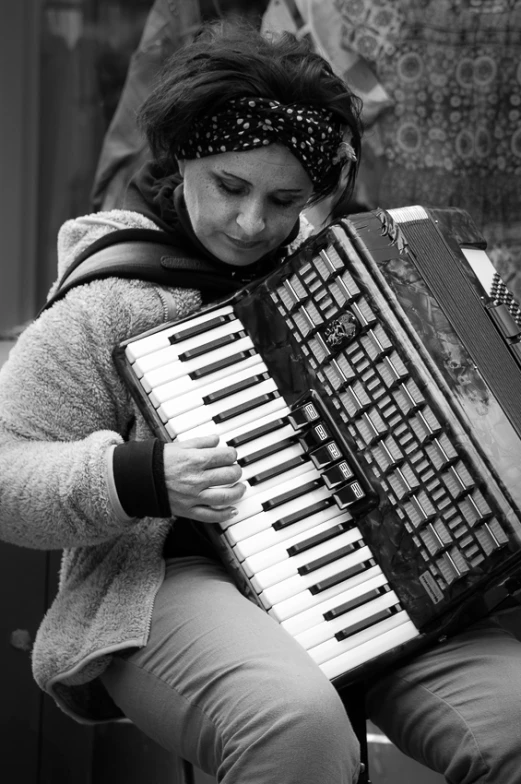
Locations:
(273, 164)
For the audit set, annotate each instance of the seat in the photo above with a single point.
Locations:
(353, 698)
(186, 772)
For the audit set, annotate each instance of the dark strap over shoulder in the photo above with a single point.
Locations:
(137, 254)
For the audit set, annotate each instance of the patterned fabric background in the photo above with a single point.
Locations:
(447, 131)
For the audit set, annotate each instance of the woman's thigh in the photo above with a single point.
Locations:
(223, 685)
(457, 707)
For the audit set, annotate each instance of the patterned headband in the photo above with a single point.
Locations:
(314, 136)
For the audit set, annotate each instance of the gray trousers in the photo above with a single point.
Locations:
(222, 685)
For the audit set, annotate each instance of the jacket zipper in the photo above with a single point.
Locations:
(168, 303)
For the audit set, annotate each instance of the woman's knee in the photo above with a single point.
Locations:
(457, 708)
(316, 713)
(303, 723)
(256, 722)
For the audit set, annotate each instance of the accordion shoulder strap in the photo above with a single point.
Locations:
(137, 254)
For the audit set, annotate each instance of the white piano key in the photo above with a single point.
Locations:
(326, 630)
(315, 615)
(236, 430)
(165, 356)
(254, 497)
(269, 546)
(272, 483)
(248, 418)
(160, 339)
(294, 585)
(174, 369)
(198, 416)
(276, 459)
(305, 600)
(249, 503)
(174, 406)
(345, 656)
(289, 568)
(274, 437)
(231, 430)
(172, 353)
(183, 384)
(266, 548)
(270, 516)
(199, 342)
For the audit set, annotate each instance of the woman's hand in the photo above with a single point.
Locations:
(197, 474)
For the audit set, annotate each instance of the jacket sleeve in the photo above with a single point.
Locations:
(62, 406)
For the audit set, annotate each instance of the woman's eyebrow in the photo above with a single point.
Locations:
(283, 190)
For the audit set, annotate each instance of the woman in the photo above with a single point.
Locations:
(146, 623)
(245, 132)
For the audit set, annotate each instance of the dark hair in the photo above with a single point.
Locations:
(228, 61)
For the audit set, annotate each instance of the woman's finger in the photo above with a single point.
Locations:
(201, 442)
(208, 514)
(221, 496)
(205, 513)
(204, 449)
(222, 476)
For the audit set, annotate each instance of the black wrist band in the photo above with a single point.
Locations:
(140, 478)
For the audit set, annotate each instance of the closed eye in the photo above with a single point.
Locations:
(283, 202)
(228, 188)
(237, 190)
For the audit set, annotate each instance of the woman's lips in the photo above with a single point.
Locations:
(243, 244)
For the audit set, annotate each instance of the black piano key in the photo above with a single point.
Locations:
(220, 394)
(329, 558)
(225, 362)
(346, 574)
(290, 495)
(313, 541)
(230, 413)
(266, 451)
(338, 474)
(277, 470)
(300, 514)
(366, 623)
(358, 601)
(199, 329)
(224, 340)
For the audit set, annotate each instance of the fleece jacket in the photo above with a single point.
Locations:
(63, 406)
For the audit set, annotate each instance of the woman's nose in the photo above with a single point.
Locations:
(250, 219)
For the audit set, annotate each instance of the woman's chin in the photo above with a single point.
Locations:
(238, 256)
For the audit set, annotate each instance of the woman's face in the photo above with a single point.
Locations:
(243, 205)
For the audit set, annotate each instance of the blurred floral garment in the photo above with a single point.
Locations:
(441, 81)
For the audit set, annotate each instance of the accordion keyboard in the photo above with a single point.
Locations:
(295, 539)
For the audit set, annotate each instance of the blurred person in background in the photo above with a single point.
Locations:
(169, 25)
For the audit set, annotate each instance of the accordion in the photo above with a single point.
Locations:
(372, 388)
